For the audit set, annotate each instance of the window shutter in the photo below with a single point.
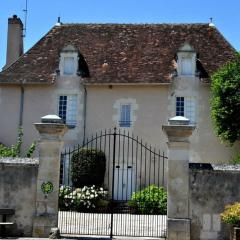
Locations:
(125, 115)
(190, 109)
(186, 64)
(71, 110)
(68, 66)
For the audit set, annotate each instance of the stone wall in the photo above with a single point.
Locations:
(18, 182)
(211, 188)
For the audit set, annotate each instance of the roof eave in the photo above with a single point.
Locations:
(129, 84)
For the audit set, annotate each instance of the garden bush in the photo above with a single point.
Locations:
(236, 159)
(88, 168)
(151, 200)
(231, 215)
(86, 199)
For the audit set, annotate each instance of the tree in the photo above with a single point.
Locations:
(225, 103)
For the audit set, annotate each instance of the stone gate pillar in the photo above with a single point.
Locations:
(178, 132)
(51, 132)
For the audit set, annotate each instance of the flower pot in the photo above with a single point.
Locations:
(235, 233)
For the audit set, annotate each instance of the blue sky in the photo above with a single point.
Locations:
(43, 14)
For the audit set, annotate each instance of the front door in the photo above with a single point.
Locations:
(124, 183)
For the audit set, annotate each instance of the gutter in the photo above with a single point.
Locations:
(84, 113)
(21, 106)
(127, 84)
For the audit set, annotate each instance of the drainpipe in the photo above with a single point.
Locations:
(84, 113)
(21, 106)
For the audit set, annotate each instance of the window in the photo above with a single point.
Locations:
(67, 109)
(185, 106)
(180, 106)
(68, 66)
(186, 66)
(125, 115)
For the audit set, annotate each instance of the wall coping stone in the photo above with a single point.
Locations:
(19, 161)
(214, 167)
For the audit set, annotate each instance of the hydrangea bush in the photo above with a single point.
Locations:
(82, 199)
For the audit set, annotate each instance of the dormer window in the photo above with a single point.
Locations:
(186, 66)
(68, 65)
(186, 59)
(72, 63)
(69, 61)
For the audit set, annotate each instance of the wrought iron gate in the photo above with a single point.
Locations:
(118, 202)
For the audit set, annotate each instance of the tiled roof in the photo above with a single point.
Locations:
(121, 53)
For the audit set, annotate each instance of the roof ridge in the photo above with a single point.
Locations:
(137, 24)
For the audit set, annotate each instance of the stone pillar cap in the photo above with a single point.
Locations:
(51, 119)
(178, 120)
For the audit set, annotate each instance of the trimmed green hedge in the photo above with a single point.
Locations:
(151, 200)
(88, 168)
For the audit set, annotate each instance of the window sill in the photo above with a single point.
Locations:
(70, 126)
(187, 76)
(68, 75)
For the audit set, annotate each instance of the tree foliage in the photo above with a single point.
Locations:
(225, 103)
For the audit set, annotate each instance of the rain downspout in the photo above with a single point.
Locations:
(84, 113)
(21, 106)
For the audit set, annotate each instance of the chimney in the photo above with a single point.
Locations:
(14, 40)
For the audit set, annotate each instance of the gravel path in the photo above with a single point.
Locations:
(75, 223)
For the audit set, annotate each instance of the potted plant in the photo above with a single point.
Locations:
(231, 215)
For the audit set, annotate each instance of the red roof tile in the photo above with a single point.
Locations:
(121, 53)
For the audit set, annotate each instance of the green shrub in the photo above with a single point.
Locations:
(231, 214)
(88, 168)
(236, 159)
(15, 150)
(151, 200)
(5, 151)
(86, 199)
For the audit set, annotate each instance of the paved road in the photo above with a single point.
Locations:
(75, 223)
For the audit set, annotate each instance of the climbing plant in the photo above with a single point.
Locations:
(15, 150)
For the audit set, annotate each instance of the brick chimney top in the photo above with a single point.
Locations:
(15, 20)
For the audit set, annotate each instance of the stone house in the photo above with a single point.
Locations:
(132, 76)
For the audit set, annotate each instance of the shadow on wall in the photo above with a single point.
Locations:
(212, 187)
(18, 182)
